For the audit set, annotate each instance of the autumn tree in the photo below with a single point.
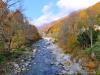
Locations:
(14, 26)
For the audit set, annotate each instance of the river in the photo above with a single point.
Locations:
(50, 60)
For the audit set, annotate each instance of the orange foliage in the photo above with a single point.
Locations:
(83, 15)
(90, 65)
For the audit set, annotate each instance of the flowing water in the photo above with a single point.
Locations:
(50, 60)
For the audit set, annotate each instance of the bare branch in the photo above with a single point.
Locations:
(13, 4)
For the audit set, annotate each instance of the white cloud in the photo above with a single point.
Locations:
(46, 8)
(65, 7)
(75, 4)
(47, 16)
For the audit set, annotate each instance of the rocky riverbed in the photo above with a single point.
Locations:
(19, 65)
(50, 60)
(46, 58)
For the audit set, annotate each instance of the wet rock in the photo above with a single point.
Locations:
(52, 63)
(63, 72)
(22, 60)
(26, 64)
(16, 65)
(23, 69)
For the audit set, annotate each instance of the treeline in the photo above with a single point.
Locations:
(15, 31)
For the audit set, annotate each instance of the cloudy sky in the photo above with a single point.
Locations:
(44, 11)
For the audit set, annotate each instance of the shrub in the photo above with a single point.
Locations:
(16, 53)
(2, 58)
(96, 50)
(1, 45)
(84, 40)
(98, 72)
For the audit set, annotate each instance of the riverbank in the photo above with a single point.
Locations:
(19, 62)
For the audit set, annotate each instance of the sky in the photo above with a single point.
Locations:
(40, 12)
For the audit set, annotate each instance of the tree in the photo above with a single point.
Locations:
(18, 40)
(84, 39)
(98, 20)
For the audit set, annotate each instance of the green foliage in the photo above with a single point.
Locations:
(16, 53)
(98, 72)
(84, 38)
(2, 58)
(95, 49)
(1, 45)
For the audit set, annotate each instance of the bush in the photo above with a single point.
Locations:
(96, 50)
(98, 72)
(84, 40)
(16, 53)
(2, 58)
(18, 39)
(1, 45)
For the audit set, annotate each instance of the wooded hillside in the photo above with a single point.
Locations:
(15, 30)
(79, 34)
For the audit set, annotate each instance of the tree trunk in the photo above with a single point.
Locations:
(91, 37)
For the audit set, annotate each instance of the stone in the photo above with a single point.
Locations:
(23, 69)
(26, 64)
(16, 65)
(64, 72)
(22, 60)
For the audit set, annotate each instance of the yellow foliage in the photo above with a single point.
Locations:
(95, 9)
(18, 39)
(83, 15)
(72, 38)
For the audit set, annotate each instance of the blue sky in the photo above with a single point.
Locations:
(33, 8)
(44, 11)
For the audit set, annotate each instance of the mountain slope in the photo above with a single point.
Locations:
(55, 26)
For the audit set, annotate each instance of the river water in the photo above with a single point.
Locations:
(50, 60)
